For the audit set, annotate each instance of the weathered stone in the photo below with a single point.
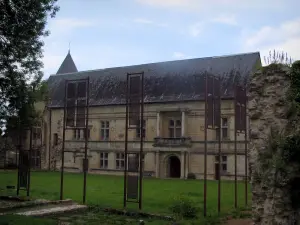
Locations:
(267, 109)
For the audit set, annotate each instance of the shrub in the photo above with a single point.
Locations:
(183, 207)
(191, 176)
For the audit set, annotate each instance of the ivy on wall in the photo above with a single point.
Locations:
(280, 160)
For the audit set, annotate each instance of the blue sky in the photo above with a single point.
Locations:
(108, 33)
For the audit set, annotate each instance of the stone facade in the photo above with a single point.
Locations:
(173, 116)
(188, 148)
(268, 109)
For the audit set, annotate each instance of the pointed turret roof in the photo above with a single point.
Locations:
(67, 66)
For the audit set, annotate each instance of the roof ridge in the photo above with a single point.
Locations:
(170, 61)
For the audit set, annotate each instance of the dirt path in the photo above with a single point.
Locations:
(239, 222)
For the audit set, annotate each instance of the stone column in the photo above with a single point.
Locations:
(187, 159)
(157, 162)
(158, 124)
(182, 123)
(182, 170)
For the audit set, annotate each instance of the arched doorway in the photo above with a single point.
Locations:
(174, 167)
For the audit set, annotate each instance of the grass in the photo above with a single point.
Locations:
(107, 191)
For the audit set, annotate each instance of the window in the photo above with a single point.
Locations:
(79, 134)
(35, 159)
(138, 130)
(120, 161)
(55, 139)
(104, 160)
(76, 134)
(134, 162)
(88, 133)
(36, 133)
(174, 128)
(76, 103)
(224, 126)
(223, 162)
(104, 130)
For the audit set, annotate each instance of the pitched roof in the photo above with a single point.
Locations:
(180, 80)
(67, 66)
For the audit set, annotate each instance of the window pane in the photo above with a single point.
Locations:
(106, 163)
(178, 132)
(118, 163)
(71, 90)
(137, 132)
(224, 167)
(217, 158)
(122, 164)
(224, 158)
(171, 123)
(102, 134)
(102, 124)
(122, 155)
(225, 133)
(178, 123)
(81, 89)
(224, 122)
(107, 134)
(106, 155)
(217, 133)
(171, 132)
(107, 124)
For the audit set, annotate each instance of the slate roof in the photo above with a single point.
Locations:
(180, 80)
(67, 66)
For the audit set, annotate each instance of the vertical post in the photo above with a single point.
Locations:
(246, 151)
(205, 148)
(141, 141)
(50, 141)
(220, 144)
(5, 152)
(235, 147)
(63, 145)
(125, 147)
(18, 155)
(29, 164)
(157, 164)
(86, 137)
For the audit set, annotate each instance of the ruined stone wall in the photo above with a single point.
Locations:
(268, 109)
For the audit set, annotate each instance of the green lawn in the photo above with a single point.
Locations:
(107, 191)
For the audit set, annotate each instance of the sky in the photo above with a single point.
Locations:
(111, 33)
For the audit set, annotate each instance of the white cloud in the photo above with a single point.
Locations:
(66, 25)
(283, 37)
(149, 22)
(196, 29)
(221, 5)
(167, 3)
(225, 19)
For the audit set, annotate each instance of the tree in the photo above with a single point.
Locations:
(22, 27)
